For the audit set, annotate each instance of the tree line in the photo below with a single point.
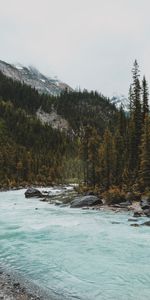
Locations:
(121, 157)
(32, 153)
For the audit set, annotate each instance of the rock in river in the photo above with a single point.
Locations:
(32, 192)
(147, 223)
(145, 202)
(138, 213)
(85, 201)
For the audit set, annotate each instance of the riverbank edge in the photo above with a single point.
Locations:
(133, 207)
(14, 286)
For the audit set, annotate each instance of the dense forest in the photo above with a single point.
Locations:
(120, 159)
(104, 148)
(34, 153)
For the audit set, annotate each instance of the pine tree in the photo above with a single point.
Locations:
(93, 159)
(89, 148)
(84, 154)
(122, 122)
(107, 160)
(145, 98)
(137, 116)
(119, 157)
(144, 173)
(131, 99)
(135, 125)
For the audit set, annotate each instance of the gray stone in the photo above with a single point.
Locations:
(125, 204)
(145, 202)
(85, 201)
(138, 214)
(57, 202)
(132, 220)
(32, 192)
(147, 223)
(115, 222)
(147, 212)
(135, 225)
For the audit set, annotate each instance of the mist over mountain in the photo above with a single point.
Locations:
(32, 77)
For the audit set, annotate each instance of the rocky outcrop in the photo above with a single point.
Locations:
(89, 200)
(145, 205)
(147, 212)
(52, 119)
(145, 202)
(138, 214)
(32, 193)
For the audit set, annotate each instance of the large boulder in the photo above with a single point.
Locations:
(147, 212)
(89, 200)
(147, 223)
(138, 214)
(145, 202)
(32, 192)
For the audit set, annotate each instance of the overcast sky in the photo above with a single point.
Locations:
(86, 43)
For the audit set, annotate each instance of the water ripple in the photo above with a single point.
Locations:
(76, 254)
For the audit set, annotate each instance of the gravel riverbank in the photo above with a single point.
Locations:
(12, 290)
(14, 287)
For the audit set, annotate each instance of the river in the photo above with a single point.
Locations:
(75, 253)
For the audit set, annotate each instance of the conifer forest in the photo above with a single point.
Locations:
(103, 148)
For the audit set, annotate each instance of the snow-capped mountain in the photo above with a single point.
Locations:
(120, 100)
(31, 76)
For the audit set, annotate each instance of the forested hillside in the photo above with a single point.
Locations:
(34, 153)
(103, 147)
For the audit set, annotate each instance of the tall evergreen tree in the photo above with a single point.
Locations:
(89, 149)
(84, 153)
(119, 155)
(107, 160)
(135, 118)
(145, 98)
(131, 99)
(144, 173)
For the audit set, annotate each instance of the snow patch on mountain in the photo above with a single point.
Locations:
(120, 100)
(31, 76)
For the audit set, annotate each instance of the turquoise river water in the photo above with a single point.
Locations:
(78, 254)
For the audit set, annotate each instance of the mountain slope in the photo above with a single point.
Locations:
(31, 76)
(71, 110)
(41, 135)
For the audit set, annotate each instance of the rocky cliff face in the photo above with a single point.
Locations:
(31, 76)
(52, 119)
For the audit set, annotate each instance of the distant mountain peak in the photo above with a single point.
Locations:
(31, 76)
(120, 100)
